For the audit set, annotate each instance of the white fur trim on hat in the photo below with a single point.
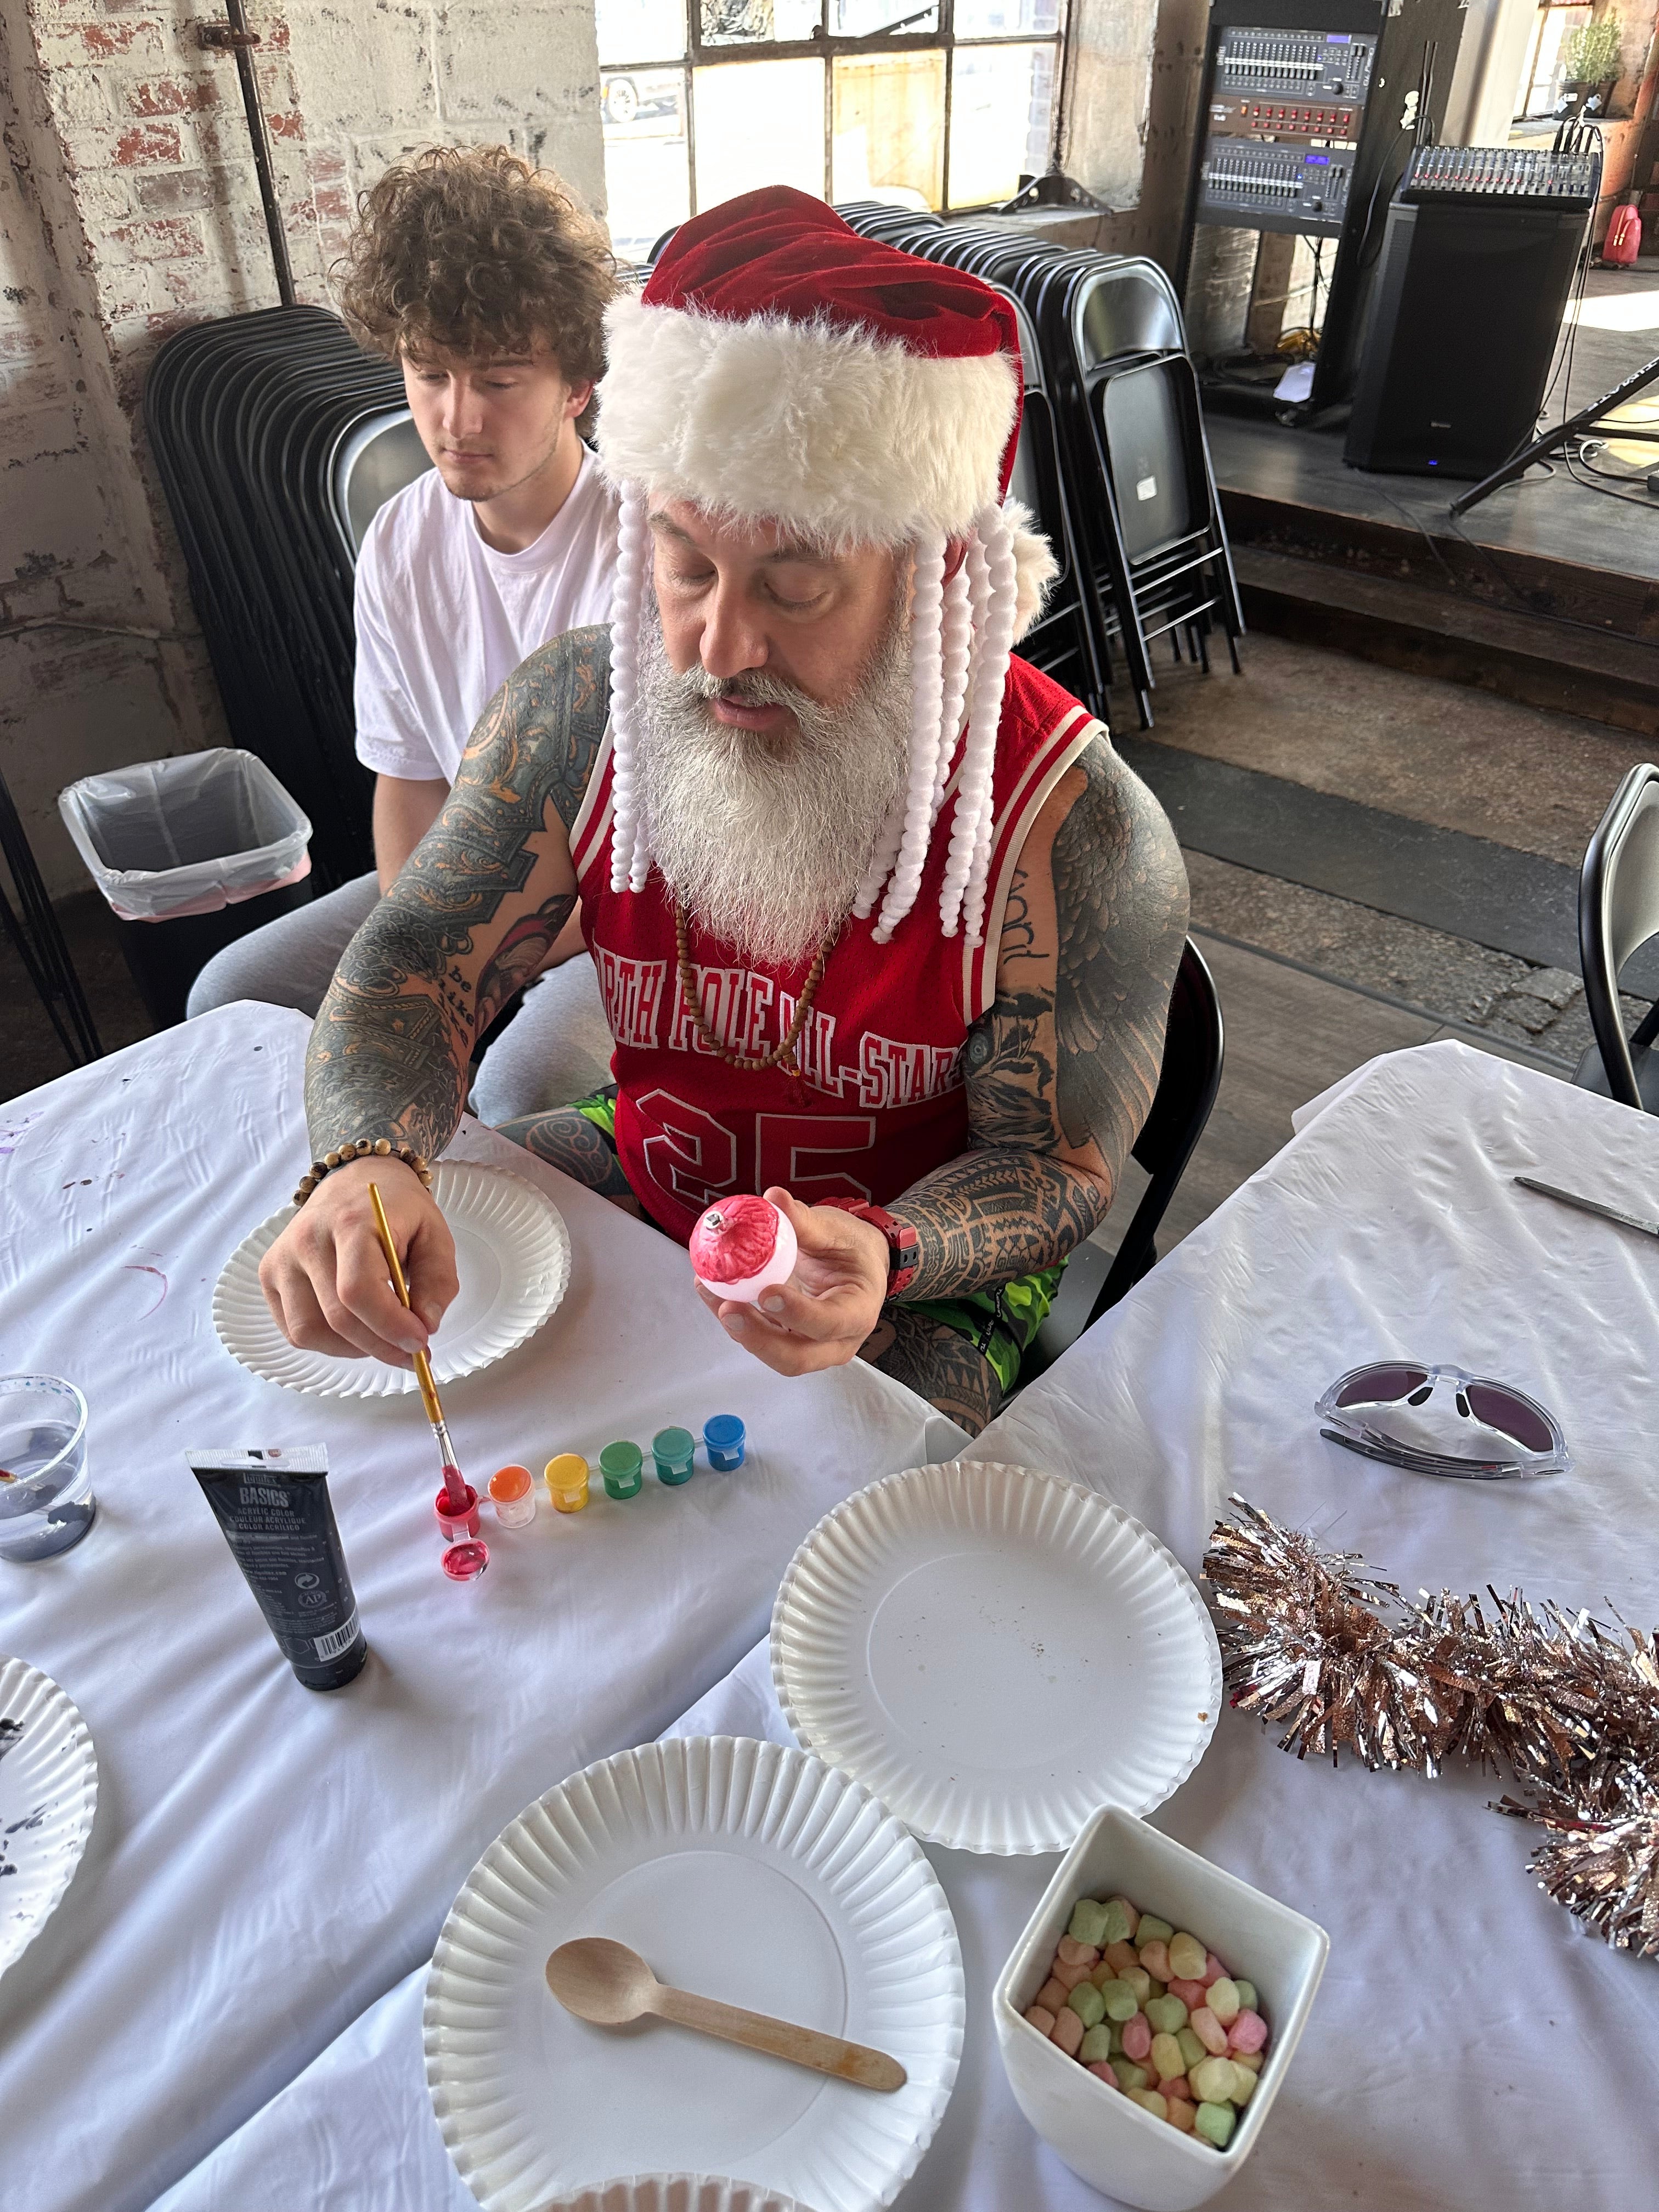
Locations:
(1034, 566)
(851, 437)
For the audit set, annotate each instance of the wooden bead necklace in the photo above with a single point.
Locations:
(783, 1054)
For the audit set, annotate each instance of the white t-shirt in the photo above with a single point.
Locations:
(443, 619)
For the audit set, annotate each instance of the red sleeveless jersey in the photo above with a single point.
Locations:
(880, 1100)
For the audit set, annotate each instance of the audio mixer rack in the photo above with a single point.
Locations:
(1308, 110)
(1283, 121)
(1524, 176)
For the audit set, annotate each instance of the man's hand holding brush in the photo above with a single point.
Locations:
(326, 1278)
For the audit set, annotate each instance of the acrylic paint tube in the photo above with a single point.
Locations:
(274, 1508)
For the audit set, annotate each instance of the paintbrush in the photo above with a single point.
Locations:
(455, 1488)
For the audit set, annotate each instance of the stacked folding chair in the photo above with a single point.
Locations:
(271, 432)
(1067, 644)
(1121, 396)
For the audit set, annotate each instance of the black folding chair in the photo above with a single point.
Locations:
(891, 225)
(1134, 434)
(1067, 644)
(246, 417)
(369, 462)
(1187, 1087)
(1618, 913)
(1118, 387)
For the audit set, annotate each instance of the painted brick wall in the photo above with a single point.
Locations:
(129, 208)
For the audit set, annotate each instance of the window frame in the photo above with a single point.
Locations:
(1545, 9)
(829, 46)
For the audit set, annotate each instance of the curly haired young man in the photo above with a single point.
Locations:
(488, 285)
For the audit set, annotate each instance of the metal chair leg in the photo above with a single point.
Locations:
(34, 932)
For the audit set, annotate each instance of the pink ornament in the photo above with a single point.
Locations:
(741, 1247)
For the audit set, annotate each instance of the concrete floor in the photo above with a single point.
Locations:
(1444, 753)
(1439, 753)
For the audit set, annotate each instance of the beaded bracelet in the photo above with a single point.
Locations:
(368, 1149)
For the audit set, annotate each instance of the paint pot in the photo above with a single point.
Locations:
(567, 1482)
(274, 1508)
(46, 1504)
(455, 1525)
(513, 1495)
(621, 1464)
(466, 1561)
(674, 1451)
(723, 1441)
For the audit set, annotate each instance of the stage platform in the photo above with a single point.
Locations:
(1546, 591)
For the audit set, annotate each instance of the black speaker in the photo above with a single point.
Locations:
(1465, 314)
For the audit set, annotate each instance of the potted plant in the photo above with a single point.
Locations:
(1590, 58)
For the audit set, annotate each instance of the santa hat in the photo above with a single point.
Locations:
(778, 366)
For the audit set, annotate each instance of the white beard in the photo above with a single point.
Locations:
(765, 842)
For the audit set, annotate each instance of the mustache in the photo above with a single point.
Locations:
(749, 687)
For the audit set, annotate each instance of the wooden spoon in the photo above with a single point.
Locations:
(607, 1982)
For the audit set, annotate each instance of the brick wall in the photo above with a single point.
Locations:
(129, 208)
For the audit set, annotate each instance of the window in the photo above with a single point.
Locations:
(946, 105)
(1540, 79)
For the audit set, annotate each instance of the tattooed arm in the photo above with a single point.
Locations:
(1060, 1076)
(470, 921)
(1062, 1070)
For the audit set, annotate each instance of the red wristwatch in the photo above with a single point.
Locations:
(902, 1241)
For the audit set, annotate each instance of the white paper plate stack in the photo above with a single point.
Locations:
(48, 1794)
(513, 1260)
(677, 2193)
(738, 1870)
(996, 1654)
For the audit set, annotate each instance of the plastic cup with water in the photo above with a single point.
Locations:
(46, 1503)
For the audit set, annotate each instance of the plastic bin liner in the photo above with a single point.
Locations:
(186, 836)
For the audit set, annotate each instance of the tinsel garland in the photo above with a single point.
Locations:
(1334, 1657)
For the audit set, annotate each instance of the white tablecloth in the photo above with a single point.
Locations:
(266, 1862)
(1471, 2049)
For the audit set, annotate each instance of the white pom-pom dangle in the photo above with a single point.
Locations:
(882, 859)
(970, 786)
(629, 858)
(962, 896)
(927, 701)
(956, 653)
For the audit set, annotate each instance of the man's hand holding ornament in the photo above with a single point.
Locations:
(826, 1306)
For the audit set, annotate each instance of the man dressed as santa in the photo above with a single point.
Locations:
(886, 930)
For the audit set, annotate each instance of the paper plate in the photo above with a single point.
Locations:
(48, 1794)
(677, 2193)
(996, 1654)
(742, 1870)
(511, 1255)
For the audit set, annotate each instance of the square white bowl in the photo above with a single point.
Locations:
(1104, 2136)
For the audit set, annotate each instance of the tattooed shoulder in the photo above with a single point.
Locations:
(437, 958)
(540, 735)
(1122, 909)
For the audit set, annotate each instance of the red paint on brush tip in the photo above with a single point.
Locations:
(456, 1490)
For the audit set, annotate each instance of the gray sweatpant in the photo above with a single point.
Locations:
(556, 1050)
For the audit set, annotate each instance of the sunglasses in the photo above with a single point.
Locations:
(1440, 1420)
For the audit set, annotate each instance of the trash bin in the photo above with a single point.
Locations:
(191, 853)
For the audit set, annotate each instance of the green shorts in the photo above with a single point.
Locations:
(1000, 1324)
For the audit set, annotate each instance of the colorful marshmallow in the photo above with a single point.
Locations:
(1153, 2013)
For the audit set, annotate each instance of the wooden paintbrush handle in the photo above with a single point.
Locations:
(804, 2046)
